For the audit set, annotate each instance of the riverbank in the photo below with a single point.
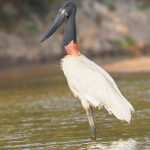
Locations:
(138, 64)
(104, 29)
(124, 65)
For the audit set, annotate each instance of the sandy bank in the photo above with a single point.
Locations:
(140, 64)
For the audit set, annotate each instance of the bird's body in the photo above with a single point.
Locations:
(88, 81)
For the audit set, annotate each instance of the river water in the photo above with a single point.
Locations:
(38, 112)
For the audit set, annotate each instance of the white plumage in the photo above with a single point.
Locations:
(90, 83)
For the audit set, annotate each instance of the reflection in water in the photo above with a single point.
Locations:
(129, 144)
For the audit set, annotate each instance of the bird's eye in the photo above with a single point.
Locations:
(63, 11)
(66, 14)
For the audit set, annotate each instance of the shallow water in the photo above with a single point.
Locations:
(38, 112)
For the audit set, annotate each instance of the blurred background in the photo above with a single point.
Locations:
(105, 28)
(37, 109)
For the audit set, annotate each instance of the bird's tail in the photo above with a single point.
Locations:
(122, 110)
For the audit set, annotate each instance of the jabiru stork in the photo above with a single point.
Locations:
(87, 81)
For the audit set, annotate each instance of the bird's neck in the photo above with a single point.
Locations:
(72, 48)
(70, 39)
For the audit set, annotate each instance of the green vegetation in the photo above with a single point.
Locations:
(130, 40)
(33, 29)
(124, 43)
(8, 19)
(143, 6)
(109, 4)
(12, 12)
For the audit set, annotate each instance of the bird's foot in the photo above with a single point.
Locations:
(93, 138)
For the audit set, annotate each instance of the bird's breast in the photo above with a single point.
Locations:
(71, 65)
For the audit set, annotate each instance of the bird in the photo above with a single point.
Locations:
(88, 82)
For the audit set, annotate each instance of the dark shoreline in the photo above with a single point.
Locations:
(110, 56)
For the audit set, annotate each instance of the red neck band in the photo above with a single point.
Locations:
(72, 48)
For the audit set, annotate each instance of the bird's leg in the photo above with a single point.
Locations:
(89, 113)
(91, 122)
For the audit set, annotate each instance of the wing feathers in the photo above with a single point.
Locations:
(90, 82)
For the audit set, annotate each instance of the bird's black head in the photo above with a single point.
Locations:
(65, 14)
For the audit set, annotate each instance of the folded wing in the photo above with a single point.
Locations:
(90, 82)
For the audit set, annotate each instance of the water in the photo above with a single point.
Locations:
(38, 112)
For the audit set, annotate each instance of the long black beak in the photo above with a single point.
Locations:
(60, 18)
